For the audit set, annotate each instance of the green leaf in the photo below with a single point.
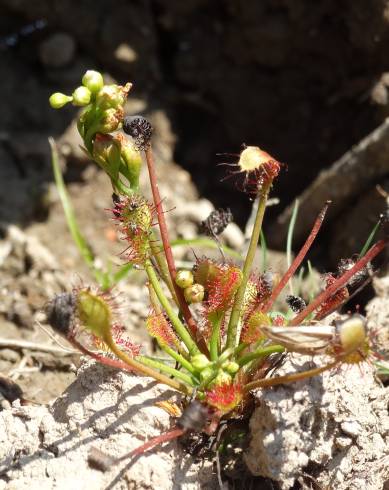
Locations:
(369, 240)
(205, 243)
(79, 240)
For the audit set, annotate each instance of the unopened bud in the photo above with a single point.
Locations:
(81, 96)
(199, 362)
(184, 279)
(231, 367)
(194, 293)
(207, 373)
(58, 100)
(93, 80)
(133, 161)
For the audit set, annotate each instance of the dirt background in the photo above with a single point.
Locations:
(305, 82)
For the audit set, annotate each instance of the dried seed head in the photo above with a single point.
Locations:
(140, 129)
(217, 221)
(296, 303)
(60, 313)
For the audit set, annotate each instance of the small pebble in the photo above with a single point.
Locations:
(343, 442)
(351, 428)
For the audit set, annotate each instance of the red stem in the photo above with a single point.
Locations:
(155, 441)
(166, 242)
(297, 261)
(340, 282)
(107, 361)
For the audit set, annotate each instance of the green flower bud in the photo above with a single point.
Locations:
(231, 367)
(106, 153)
(184, 279)
(194, 293)
(207, 373)
(132, 160)
(199, 362)
(58, 100)
(81, 96)
(93, 80)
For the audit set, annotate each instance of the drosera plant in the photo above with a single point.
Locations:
(218, 357)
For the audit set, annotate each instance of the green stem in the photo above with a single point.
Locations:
(289, 378)
(259, 353)
(145, 370)
(179, 327)
(179, 358)
(163, 270)
(239, 297)
(215, 337)
(167, 369)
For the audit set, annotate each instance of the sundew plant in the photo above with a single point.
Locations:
(219, 356)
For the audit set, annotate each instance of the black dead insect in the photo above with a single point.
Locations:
(296, 303)
(140, 129)
(346, 264)
(60, 312)
(217, 221)
(194, 417)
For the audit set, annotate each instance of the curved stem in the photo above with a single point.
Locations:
(131, 365)
(176, 322)
(147, 361)
(239, 297)
(289, 378)
(179, 358)
(259, 353)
